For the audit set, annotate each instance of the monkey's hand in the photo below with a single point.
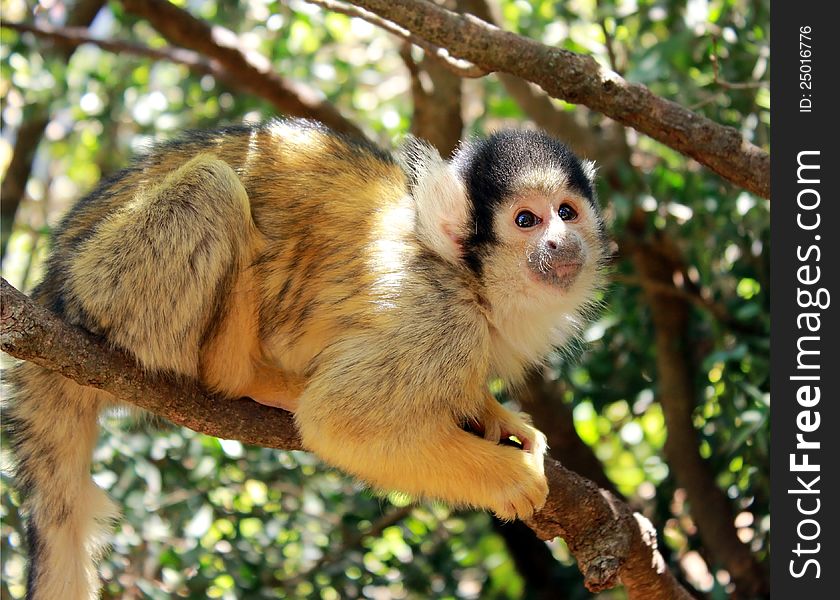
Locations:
(524, 488)
(499, 425)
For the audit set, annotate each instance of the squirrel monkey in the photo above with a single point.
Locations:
(371, 294)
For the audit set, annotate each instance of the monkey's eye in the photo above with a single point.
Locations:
(526, 219)
(567, 213)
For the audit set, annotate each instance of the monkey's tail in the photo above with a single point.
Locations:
(52, 426)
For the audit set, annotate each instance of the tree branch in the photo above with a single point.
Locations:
(608, 539)
(76, 36)
(611, 544)
(436, 94)
(31, 332)
(580, 79)
(252, 72)
(461, 68)
(28, 136)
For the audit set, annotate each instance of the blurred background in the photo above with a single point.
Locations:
(664, 400)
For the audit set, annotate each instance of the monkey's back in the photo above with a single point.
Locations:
(288, 168)
(337, 253)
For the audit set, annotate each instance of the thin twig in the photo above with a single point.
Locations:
(609, 42)
(716, 309)
(76, 36)
(746, 85)
(462, 68)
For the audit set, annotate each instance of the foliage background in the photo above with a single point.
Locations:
(213, 518)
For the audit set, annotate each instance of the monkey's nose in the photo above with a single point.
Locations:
(564, 250)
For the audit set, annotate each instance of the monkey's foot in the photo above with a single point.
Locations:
(522, 487)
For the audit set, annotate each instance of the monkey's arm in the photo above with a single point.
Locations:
(393, 422)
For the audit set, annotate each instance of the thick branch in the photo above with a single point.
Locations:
(436, 93)
(580, 79)
(252, 72)
(605, 536)
(610, 542)
(460, 68)
(29, 135)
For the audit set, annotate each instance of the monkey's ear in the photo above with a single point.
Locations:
(439, 195)
(590, 169)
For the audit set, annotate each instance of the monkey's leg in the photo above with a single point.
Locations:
(232, 361)
(272, 387)
(168, 278)
(51, 424)
(156, 276)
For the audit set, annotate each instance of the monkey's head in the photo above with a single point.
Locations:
(518, 210)
(533, 213)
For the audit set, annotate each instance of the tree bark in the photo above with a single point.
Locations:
(436, 93)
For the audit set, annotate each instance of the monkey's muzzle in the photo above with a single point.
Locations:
(558, 262)
(559, 273)
(564, 274)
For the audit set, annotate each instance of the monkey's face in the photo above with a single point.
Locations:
(549, 240)
(545, 230)
(541, 271)
(534, 235)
